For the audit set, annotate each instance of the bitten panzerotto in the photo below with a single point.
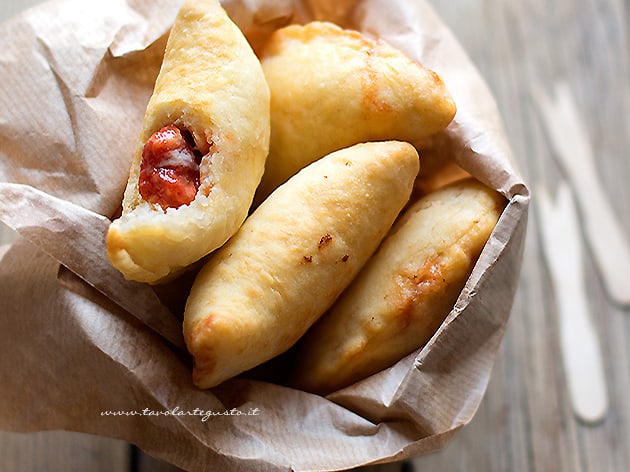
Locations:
(202, 149)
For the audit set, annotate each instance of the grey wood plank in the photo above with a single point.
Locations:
(58, 451)
(145, 463)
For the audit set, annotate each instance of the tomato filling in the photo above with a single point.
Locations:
(169, 170)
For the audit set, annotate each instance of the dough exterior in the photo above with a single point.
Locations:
(293, 257)
(212, 84)
(404, 293)
(332, 88)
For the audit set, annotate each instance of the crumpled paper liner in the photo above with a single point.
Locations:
(79, 340)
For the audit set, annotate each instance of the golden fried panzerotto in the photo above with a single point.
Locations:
(332, 88)
(202, 149)
(404, 293)
(293, 257)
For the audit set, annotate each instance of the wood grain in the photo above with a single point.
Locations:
(61, 451)
(525, 422)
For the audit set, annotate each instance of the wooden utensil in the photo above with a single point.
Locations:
(579, 343)
(570, 140)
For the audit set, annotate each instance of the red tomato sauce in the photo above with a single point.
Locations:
(169, 171)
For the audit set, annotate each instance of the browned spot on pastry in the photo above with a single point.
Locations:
(370, 87)
(345, 258)
(436, 78)
(308, 258)
(208, 189)
(204, 359)
(424, 282)
(325, 241)
(203, 366)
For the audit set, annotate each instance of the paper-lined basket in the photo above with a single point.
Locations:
(81, 342)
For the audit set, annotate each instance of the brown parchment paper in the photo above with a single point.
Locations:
(79, 341)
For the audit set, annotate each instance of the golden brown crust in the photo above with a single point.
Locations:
(212, 85)
(293, 256)
(405, 291)
(332, 88)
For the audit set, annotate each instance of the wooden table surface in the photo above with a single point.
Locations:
(525, 421)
